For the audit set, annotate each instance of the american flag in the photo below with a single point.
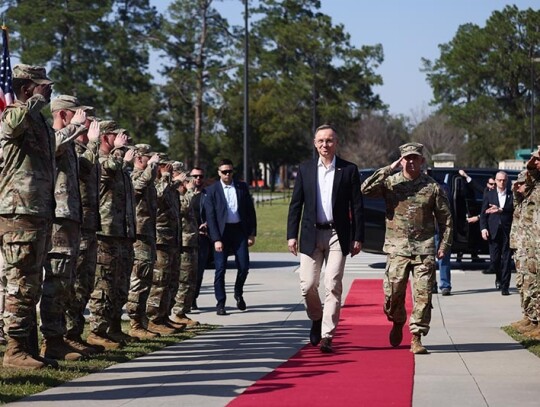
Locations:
(6, 85)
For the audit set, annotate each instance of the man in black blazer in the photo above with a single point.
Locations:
(232, 226)
(327, 200)
(495, 224)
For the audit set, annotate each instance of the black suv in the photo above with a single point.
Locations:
(465, 200)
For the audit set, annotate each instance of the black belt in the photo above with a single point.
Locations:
(325, 226)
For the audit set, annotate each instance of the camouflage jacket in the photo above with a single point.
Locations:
(89, 176)
(28, 177)
(116, 197)
(515, 233)
(168, 230)
(66, 192)
(190, 230)
(530, 216)
(145, 200)
(414, 211)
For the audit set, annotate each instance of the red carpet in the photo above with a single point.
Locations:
(364, 370)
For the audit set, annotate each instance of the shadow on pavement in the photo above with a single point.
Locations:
(215, 364)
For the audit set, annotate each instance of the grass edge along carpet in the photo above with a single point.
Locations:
(364, 370)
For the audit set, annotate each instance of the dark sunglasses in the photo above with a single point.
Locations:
(197, 176)
(226, 172)
(491, 183)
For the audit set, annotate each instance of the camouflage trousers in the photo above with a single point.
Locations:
(59, 275)
(183, 298)
(111, 284)
(25, 241)
(166, 266)
(398, 268)
(83, 285)
(2, 291)
(141, 277)
(528, 283)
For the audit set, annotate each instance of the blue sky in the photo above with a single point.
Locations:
(408, 30)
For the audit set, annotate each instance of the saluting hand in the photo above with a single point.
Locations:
(129, 155)
(153, 159)
(79, 117)
(93, 131)
(396, 164)
(44, 90)
(120, 140)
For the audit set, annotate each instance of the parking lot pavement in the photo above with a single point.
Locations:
(472, 362)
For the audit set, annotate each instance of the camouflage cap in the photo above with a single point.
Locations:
(143, 149)
(36, 74)
(411, 148)
(109, 126)
(177, 166)
(163, 158)
(522, 176)
(67, 102)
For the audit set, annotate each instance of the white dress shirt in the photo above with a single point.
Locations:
(325, 184)
(502, 197)
(232, 203)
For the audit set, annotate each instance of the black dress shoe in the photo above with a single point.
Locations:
(326, 345)
(240, 303)
(221, 311)
(505, 291)
(315, 333)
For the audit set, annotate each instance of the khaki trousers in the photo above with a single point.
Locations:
(327, 251)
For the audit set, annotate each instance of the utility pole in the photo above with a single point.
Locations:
(246, 92)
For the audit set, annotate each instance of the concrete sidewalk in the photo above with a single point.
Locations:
(473, 362)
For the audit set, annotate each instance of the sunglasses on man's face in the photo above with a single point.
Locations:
(197, 176)
(226, 172)
(491, 183)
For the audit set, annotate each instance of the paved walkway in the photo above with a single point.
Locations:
(473, 362)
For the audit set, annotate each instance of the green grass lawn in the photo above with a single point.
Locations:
(16, 384)
(532, 345)
(272, 226)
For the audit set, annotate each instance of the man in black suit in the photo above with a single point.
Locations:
(328, 200)
(495, 224)
(232, 226)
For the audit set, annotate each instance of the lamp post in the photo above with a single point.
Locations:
(533, 60)
(246, 91)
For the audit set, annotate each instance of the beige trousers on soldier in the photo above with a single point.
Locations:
(327, 251)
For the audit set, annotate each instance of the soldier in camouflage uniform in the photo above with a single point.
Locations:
(86, 147)
(26, 209)
(69, 119)
(530, 222)
(167, 251)
(115, 239)
(2, 280)
(415, 205)
(143, 178)
(185, 294)
(2, 299)
(517, 245)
